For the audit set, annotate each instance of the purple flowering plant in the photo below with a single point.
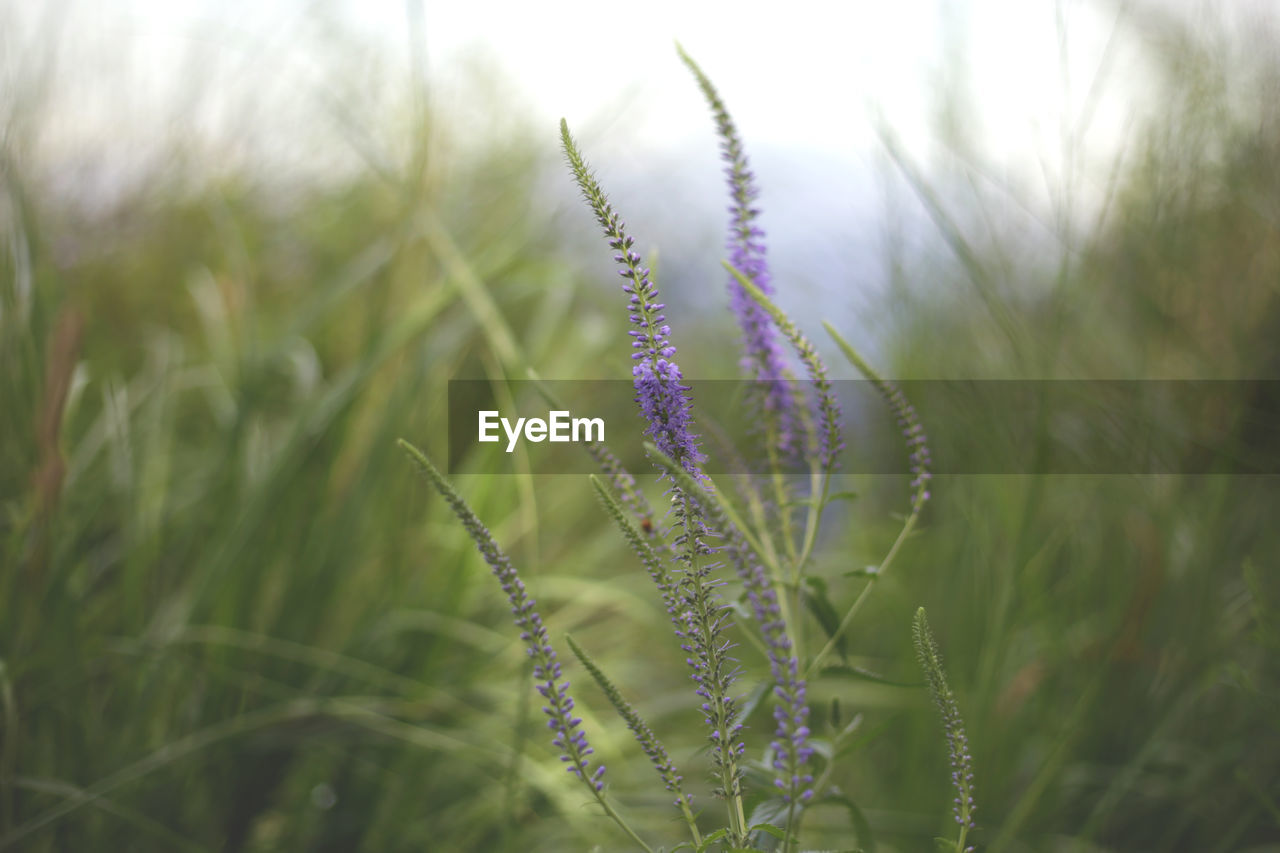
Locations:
(728, 568)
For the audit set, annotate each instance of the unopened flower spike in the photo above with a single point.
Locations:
(653, 748)
(763, 357)
(704, 619)
(829, 442)
(957, 742)
(908, 420)
(667, 586)
(566, 735)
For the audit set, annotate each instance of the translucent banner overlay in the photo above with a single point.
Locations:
(973, 426)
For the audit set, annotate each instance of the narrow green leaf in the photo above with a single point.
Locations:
(818, 602)
(864, 572)
(770, 811)
(776, 831)
(867, 737)
(861, 826)
(822, 748)
(758, 694)
(857, 673)
(711, 839)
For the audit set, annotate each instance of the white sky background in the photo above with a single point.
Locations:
(804, 80)
(800, 75)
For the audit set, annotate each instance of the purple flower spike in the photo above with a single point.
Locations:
(701, 618)
(791, 737)
(663, 403)
(662, 396)
(763, 359)
(790, 744)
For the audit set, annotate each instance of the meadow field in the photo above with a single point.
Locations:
(236, 617)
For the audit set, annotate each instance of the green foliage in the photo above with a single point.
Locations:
(226, 627)
(234, 622)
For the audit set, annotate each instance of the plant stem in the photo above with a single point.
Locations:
(857, 602)
(617, 818)
(788, 835)
(819, 484)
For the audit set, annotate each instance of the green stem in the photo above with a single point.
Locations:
(857, 602)
(768, 551)
(789, 836)
(819, 483)
(692, 821)
(825, 776)
(782, 495)
(818, 499)
(617, 818)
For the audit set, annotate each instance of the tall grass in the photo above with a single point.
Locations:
(1109, 634)
(233, 620)
(225, 625)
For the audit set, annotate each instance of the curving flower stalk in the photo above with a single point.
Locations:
(953, 725)
(653, 748)
(567, 737)
(702, 618)
(622, 481)
(908, 421)
(763, 359)
(917, 444)
(660, 391)
(829, 443)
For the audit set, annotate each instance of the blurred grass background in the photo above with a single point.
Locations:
(234, 620)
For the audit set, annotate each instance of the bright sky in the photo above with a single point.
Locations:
(804, 80)
(806, 75)
(800, 74)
